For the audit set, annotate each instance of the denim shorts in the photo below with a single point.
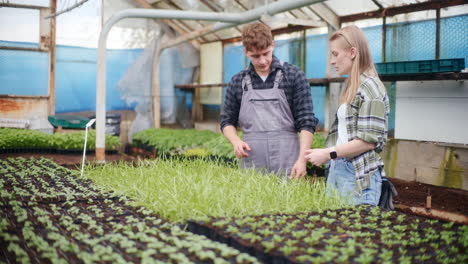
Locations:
(341, 178)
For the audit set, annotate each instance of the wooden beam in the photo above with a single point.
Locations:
(195, 86)
(47, 41)
(392, 11)
(21, 6)
(23, 49)
(384, 39)
(437, 44)
(384, 77)
(24, 96)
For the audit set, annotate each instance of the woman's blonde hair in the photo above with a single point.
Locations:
(352, 36)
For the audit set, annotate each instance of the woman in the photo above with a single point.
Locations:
(359, 131)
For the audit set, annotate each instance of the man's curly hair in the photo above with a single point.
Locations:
(256, 36)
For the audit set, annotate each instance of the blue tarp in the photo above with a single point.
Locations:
(25, 72)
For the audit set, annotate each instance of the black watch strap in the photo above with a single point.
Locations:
(333, 154)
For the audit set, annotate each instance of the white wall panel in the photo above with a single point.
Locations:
(211, 71)
(432, 111)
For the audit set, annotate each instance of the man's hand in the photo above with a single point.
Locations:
(299, 169)
(317, 156)
(239, 149)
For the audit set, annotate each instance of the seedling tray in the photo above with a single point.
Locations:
(421, 66)
(68, 121)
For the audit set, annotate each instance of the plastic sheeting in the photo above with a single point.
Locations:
(172, 72)
(135, 87)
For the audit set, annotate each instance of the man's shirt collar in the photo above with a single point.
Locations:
(275, 64)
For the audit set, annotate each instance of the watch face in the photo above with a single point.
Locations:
(333, 155)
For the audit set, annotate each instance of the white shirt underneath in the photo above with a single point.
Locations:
(342, 133)
(263, 77)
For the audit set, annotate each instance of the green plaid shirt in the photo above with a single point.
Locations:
(366, 119)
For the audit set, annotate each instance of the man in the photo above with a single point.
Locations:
(271, 103)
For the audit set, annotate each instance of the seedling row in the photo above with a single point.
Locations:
(50, 214)
(86, 225)
(362, 234)
(24, 140)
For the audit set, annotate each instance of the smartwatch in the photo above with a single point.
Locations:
(333, 154)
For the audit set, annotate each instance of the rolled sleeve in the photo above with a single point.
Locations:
(303, 110)
(372, 124)
(230, 112)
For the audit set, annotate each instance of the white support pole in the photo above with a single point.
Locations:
(88, 125)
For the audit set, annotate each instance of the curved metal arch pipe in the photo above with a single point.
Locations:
(226, 20)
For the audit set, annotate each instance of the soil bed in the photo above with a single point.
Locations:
(445, 202)
(411, 193)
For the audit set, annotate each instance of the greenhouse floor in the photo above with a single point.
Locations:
(446, 203)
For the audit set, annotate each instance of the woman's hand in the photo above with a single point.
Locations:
(318, 156)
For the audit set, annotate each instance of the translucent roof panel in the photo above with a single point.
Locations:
(231, 6)
(298, 13)
(310, 14)
(247, 3)
(343, 8)
(303, 16)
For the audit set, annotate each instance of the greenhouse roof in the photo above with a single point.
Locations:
(320, 14)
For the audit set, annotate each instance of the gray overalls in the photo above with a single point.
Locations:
(268, 126)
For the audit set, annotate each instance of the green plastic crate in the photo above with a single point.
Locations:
(422, 66)
(68, 121)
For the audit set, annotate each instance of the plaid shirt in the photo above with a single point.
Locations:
(366, 119)
(295, 86)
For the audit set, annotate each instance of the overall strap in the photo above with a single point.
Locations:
(247, 83)
(278, 78)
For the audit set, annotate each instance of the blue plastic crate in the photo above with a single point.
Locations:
(422, 66)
